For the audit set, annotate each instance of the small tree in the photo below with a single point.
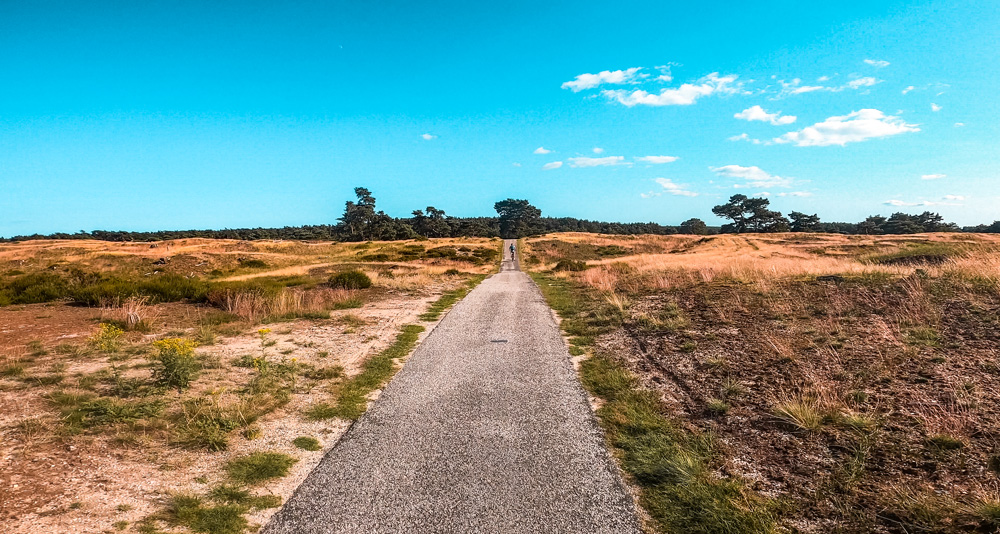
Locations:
(804, 223)
(694, 227)
(517, 218)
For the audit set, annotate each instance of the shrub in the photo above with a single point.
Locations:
(252, 263)
(259, 467)
(307, 443)
(164, 287)
(175, 364)
(108, 338)
(570, 265)
(34, 288)
(353, 279)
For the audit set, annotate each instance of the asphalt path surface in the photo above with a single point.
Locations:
(485, 429)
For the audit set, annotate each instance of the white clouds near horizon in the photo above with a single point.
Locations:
(541, 150)
(933, 176)
(947, 200)
(552, 165)
(428, 137)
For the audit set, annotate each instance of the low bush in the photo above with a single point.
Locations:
(353, 279)
(93, 289)
(252, 263)
(570, 265)
(175, 364)
(108, 338)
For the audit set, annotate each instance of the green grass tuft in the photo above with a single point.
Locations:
(259, 467)
(307, 443)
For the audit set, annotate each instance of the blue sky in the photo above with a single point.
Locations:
(175, 115)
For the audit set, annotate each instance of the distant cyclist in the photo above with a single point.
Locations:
(511, 251)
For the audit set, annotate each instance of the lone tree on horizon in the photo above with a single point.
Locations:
(750, 214)
(517, 217)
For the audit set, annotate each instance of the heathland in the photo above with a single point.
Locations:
(190, 385)
(790, 382)
(783, 382)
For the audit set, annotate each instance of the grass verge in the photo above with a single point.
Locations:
(449, 298)
(673, 468)
(352, 395)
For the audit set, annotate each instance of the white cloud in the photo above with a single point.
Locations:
(935, 108)
(908, 89)
(745, 137)
(650, 194)
(796, 194)
(598, 150)
(553, 165)
(684, 95)
(598, 162)
(665, 76)
(656, 160)
(807, 89)
(795, 87)
(867, 81)
(674, 189)
(428, 137)
(948, 201)
(617, 77)
(516, 164)
(959, 124)
(822, 78)
(754, 176)
(933, 176)
(541, 150)
(757, 113)
(879, 63)
(851, 128)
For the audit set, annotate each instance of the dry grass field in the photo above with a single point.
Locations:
(191, 385)
(791, 382)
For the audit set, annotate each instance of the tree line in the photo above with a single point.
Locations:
(362, 221)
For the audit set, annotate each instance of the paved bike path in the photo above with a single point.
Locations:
(485, 429)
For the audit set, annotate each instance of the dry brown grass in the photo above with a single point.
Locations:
(132, 312)
(877, 377)
(671, 261)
